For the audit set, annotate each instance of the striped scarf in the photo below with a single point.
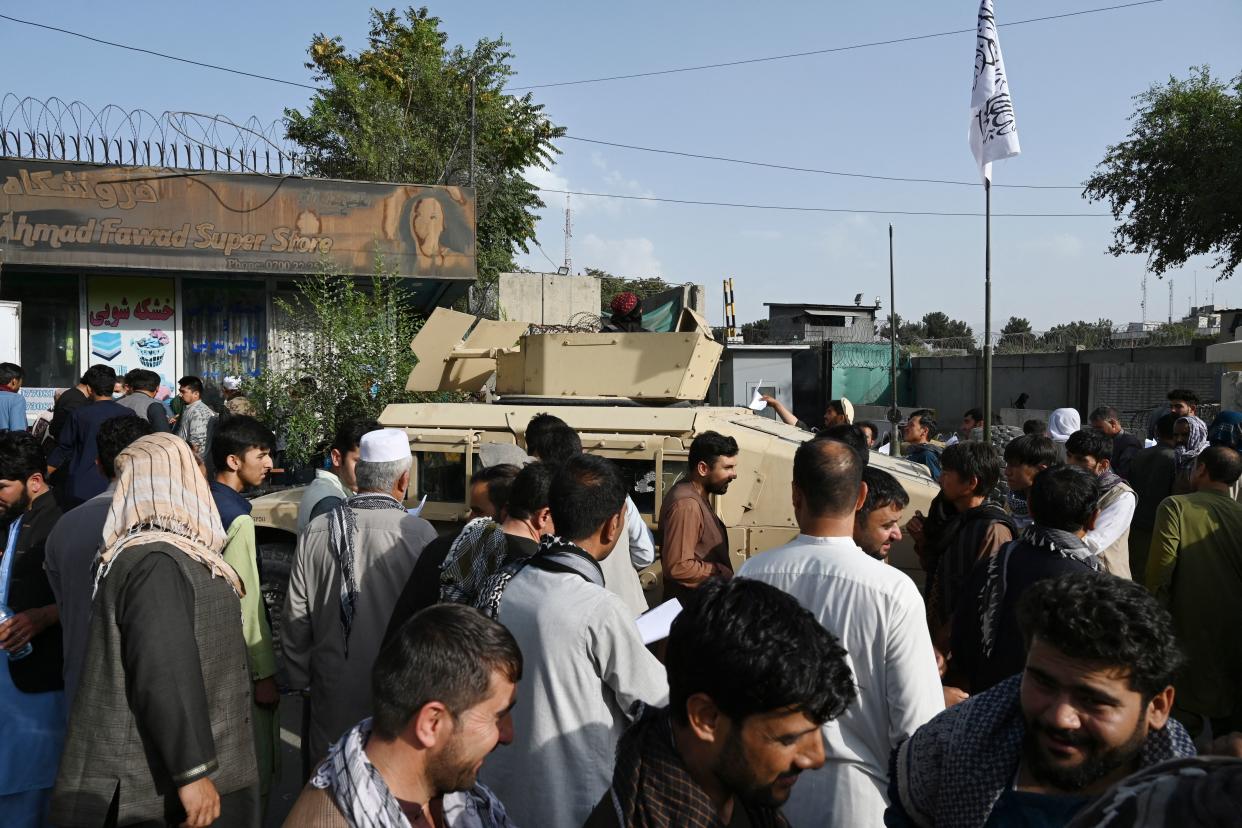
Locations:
(162, 497)
(341, 531)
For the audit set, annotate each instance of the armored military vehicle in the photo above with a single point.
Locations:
(633, 397)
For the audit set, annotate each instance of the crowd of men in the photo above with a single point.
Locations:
(1065, 661)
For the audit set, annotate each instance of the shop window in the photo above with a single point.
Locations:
(225, 328)
(50, 348)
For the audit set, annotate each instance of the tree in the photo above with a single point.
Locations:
(758, 332)
(328, 365)
(399, 110)
(1016, 325)
(610, 286)
(1088, 334)
(1175, 185)
(938, 325)
(906, 331)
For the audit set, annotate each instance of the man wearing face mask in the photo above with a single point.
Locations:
(752, 678)
(333, 629)
(1091, 707)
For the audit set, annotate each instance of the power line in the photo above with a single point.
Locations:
(830, 50)
(774, 166)
(677, 70)
(796, 209)
(158, 54)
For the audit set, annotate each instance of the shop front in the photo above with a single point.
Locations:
(180, 271)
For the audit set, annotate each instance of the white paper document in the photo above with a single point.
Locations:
(756, 403)
(417, 510)
(654, 624)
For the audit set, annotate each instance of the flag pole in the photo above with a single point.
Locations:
(987, 311)
(894, 413)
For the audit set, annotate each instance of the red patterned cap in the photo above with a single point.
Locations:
(624, 303)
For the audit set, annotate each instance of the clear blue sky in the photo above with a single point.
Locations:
(893, 110)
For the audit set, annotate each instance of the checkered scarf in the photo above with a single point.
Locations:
(651, 787)
(951, 772)
(365, 801)
(341, 531)
(477, 553)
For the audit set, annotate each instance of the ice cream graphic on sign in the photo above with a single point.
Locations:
(151, 347)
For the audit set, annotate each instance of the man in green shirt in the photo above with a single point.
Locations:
(1195, 570)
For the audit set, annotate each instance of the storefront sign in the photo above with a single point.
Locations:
(54, 213)
(130, 324)
(37, 400)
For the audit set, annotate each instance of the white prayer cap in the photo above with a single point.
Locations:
(232, 383)
(384, 446)
(849, 409)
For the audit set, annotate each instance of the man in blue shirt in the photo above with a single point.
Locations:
(75, 446)
(917, 433)
(12, 404)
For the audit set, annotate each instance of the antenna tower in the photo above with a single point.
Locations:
(1143, 302)
(569, 234)
(1170, 301)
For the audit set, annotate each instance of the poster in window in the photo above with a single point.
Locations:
(130, 324)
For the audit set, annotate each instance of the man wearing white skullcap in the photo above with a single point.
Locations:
(235, 401)
(348, 571)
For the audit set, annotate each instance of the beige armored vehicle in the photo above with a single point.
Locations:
(633, 398)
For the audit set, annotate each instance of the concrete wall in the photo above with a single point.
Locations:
(1132, 380)
(547, 298)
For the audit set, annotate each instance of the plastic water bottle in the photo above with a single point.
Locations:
(5, 615)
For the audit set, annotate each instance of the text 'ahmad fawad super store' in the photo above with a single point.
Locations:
(134, 249)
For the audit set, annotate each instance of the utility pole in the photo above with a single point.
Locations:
(987, 313)
(1143, 303)
(569, 234)
(1170, 301)
(473, 129)
(894, 413)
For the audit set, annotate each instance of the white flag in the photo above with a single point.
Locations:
(993, 130)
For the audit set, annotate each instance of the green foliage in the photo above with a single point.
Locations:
(1172, 333)
(344, 352)
(1096, 334)
(757, 332)
(399, 110)
(936, 325)
(1016, 325)
(1175, 184)
(610, 286)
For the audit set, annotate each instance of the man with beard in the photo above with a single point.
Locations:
(1091, 707)
(752, 679)
(877, 613)
(877, 522)
(587, 670)
(32, 715)
(694, 542)
(442, 691)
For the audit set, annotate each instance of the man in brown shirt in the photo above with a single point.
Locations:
(694, 544)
